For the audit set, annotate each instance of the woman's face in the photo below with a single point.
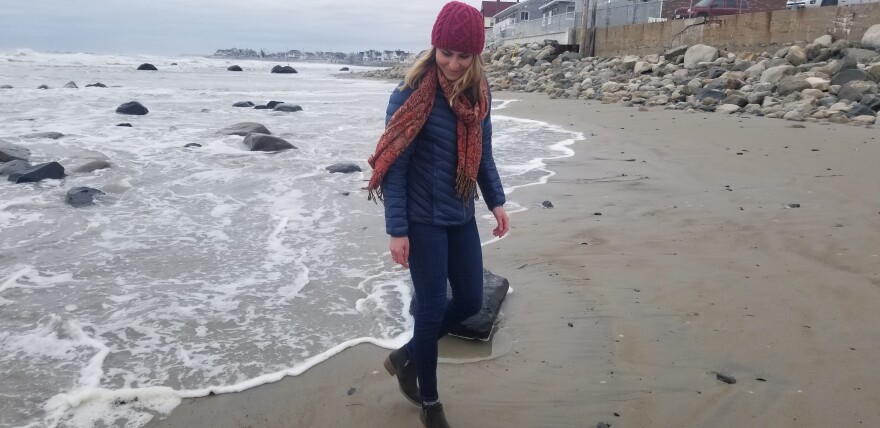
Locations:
(453, 64)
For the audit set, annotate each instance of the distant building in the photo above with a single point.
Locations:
(491, 8)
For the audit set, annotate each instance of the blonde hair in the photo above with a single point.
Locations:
(468, 85)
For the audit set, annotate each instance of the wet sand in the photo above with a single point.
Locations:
(680, 246)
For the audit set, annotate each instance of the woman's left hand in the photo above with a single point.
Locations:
(503, 222)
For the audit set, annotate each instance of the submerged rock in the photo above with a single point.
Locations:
(10, 152)
(71, 85)
(96, 85)
(234, 68)
(82, 196)
(48, 135)
(148, 67)
(343, 168)
(266, 143)
(287, 107)
(13, 166)
(92, 166)
(243, 104)
(283, 69)
(245, 128)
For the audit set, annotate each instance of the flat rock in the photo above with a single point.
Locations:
(13, 166)
(272, 104)
(48, 170)
(96, 85)
(92, 166)
(737, 100)
(850, 75)
(290, 108)
(132, 108)
(245, 128)
(266, 143)
(5, 86)
(147, 67)
(11, 152)
(727, 108)
(44, 135)
(243, 104)
(82, 196)
(344, 69)
(791, 84)
(674, 53)
(860, 56)
(127, 125)
(343, 168)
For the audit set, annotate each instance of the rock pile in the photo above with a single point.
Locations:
(826, 80)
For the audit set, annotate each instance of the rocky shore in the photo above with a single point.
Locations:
(826, 80)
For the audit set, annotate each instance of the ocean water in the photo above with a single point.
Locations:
(210, 269)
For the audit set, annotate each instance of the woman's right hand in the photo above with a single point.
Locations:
(400, 250)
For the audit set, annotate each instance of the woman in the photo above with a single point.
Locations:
(435, 151)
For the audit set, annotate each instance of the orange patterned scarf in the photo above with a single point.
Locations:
(409, 119)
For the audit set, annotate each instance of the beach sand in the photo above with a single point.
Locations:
(697, 265)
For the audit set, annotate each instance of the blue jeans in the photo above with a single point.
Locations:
(438, 253)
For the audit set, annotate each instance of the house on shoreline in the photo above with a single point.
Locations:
(370, 57)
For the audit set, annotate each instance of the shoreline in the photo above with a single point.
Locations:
(695, 267)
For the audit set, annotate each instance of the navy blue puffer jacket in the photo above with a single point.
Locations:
(420, 186)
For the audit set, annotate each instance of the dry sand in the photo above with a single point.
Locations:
(695, 267)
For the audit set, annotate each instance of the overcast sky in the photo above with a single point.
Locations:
(202, 27)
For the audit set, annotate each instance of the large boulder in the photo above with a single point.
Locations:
(824, 41)
(13, 166)
(147, 67)
(245, 128)
(873, 71)
(343, 168)
(234, 68)
(791, 84)
(773, 75)
(243, 104)
(699, 53)
(855, 90)
(132, 108)
(10, 152)
(860, 56)
(50, 170)
(848, 76)
(82, 196)
(283, 69)
(266, 143)
(480, 326)
(871, 38)
(796, 55)
(290, 108)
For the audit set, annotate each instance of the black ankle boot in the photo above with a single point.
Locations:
(432, 416)
(399, 364)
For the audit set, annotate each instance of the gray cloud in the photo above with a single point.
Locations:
(190, 26)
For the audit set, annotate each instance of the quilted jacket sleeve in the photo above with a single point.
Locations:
(487, 176)
(394, 183)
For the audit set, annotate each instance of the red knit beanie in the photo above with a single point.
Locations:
(459, 27)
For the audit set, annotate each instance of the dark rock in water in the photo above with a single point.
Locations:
(343, 168)
(132, 108)
(205, 110)
(725, 378)
(266, 143)
(283, 70)
(5, 86)
(71, 85)
(847, 76)
(43, 87)
(173, 63)
(128, 125)
(37, 173)
(96, 85)
(11, 152)
(290, 108)
(710, 93)
(92, 166)
(148, 67)
(263, 107)
(272, 104)
(82, 196)
(547, 204)
(860, 110)
(245, 128)
(792, 205)
(234, 68)
(480, 325)
(49, 135)
(344, 69)
(193, 145)
(13, 166)
(243, 104)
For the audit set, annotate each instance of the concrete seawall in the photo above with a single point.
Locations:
(749, 32)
